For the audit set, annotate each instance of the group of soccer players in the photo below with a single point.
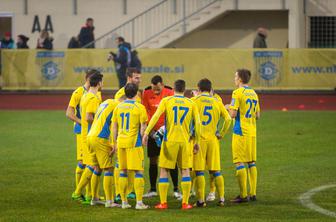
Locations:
(183, 132)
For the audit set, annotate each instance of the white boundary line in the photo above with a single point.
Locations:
(306, 201)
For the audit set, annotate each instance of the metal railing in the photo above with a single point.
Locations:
(154, 21)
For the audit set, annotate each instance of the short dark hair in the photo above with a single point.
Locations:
(131, 90)
(121, 39)
(179, 85)
(95, 78)
(89, 19)
(156, 79)
(89, 73)
(204, 85)
(131, 70)
(244, 75)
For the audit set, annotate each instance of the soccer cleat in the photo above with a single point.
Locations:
(95, 202)
(150, 194)
(220, 203)
(87, 198)
(125, 206)
(117, 198)
(161, 206)
(200, 204)
(77, 197)
(86, 202)
(110, 204)
(239, 199)
(131, 195)
(253, 198)
(141, 206)
(211, 197)
(186, 206)
(177, 195)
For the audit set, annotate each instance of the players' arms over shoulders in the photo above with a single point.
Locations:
(227, 120)
(70, 113)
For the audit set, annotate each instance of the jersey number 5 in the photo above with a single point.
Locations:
(252, 104)
(207, 114)
(176, 109)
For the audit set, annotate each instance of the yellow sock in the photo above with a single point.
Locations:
(116, 180)
(253, 178)
(85, 180)
(95, 184)
(123, 180)
(88, 193)
(212, 184)
(163, 189)
(130, 186)
(193, 180)
(79, 171)
(200, 184)
(186, 186)
(219, 181)
(241, 175)
(139, 186)
(108, 184)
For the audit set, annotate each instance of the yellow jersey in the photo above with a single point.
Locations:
(181, 114)
(101, 126)
(129, 115)
(120, 95)
(89, 104)
(75, 103)
(210, 111)
(246, 102)
(215, 95)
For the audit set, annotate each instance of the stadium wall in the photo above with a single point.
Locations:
(273, 69)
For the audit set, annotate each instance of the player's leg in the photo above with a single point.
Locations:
(84, 181)
(183, 160)
(212, 193)
(199, 167)
(95, 186)
(108, 184)
(239, 158)
(79, 171)
(130, 185)
(153, 152)
(116, 182)
(174, 177)
(213, 164)
(123, 177)
(139, 187)
(163, 188)
(252, 169)
(80, 166)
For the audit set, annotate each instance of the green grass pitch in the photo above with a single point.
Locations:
(296, 152)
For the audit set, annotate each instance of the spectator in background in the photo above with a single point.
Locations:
(7, 42)
(122, 60)
(44, 41)
(74, 43)
(260, 39)
(22, 42)
(86, 34)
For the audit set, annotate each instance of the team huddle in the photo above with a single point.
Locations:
(181, 132)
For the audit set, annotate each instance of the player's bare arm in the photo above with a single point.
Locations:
(90, 118)
(70, 113)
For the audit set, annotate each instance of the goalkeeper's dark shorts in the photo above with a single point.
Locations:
(152, 149)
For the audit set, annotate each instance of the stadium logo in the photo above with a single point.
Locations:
(268, 70)
(50, 70)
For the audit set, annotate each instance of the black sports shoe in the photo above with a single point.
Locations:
(220, 203)
(200, 204)
(238, 199)
(253, 198)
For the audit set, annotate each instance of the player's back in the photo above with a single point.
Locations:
(129, 114)
(248, 106)
(209, 109)
(179, 117)
(85, 102)
(102, 121)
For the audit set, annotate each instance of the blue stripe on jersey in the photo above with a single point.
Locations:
(105, 132)
(138, 140)
(251, 165)
(186, 179)
(240, 167)
(77, 128)
(89, 127)
(199, 174)
(237, 128)
(163, 180)
(165, 130)
(129, 101)
(178, 96)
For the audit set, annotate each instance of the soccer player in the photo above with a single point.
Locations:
(88, 106)
(133, 76)
(100, 145)
(180, 112)
(152, 96)
(245, 109)
(129, 123)
(73, 113)
(210, 110)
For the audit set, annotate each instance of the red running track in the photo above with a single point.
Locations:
(267, 101)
